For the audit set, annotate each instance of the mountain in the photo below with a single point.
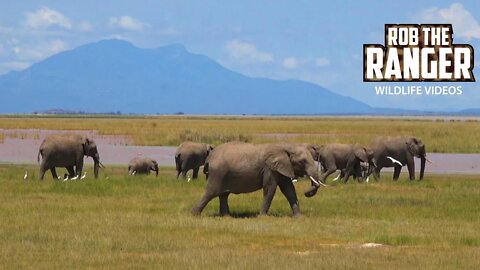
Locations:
(113, 75)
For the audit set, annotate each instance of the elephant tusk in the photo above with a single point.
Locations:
(428, 160)
(83, 176)
(101, 165)
(25, 176)
(338, 177)
(395, 161)
(294, 180)
(368, 179)
(316, 182)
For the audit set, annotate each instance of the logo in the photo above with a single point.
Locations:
(418, 53)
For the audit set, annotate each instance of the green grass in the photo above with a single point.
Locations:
(145, 222)
(452, 136)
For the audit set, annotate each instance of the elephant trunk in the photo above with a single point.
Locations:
(96, 166)
(316, 183)
(156, 170)
(422, 166)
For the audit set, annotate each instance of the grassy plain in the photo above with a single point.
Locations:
(144, 222)
(449, 136)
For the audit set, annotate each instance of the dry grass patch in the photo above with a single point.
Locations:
(145, 222)
(440, 136)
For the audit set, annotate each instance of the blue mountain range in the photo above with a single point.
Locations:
(113, 75)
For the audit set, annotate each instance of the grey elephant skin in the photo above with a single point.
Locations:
(191, 156)
(402, 149)
(67, 151)
(313, 149)
(344, 157)
(142, 165)
(237, 167)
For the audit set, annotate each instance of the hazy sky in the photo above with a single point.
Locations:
(317, 41)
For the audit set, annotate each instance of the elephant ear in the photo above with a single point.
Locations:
(361, 154)
(412, 145)
(280, 162)
(85, 143)
(209, 148)
(315, 151)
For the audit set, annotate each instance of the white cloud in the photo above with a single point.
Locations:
(464, 24)
(127, 23)
(46, 17)
(39, 51)
(84, 26)
(290, 62)
(13, 65)
(167, 31)
(321, 62)
(247, 53)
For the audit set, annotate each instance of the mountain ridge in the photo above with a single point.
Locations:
(115, 76)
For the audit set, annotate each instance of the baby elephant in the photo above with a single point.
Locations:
(142, 165)
(190, 156)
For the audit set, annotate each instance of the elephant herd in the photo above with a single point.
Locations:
(237, 167)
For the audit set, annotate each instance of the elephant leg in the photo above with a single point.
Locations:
(411, 168)
(288, 190)
(207, 197)
(184, 169)
(346, 176)
(71, 171)
(329, 171)
(396, 172)
(54, 173)
(224, 209)
(79, 167)
(269, 189)
(357, 172)
(178, 173)
(43, 169)
(376, 173)
(195, 172)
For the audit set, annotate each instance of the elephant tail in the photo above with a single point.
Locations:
(205, 170)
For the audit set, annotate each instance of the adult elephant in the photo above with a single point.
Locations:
(347, 158)
(190, 156)
(142, 165)
(397, 152)
(237, 167)
(67, 151)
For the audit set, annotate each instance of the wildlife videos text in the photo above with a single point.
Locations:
(418, 90)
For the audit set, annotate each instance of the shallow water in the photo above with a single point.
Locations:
(21, 146)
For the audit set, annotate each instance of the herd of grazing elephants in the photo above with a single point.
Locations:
(237, 167)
